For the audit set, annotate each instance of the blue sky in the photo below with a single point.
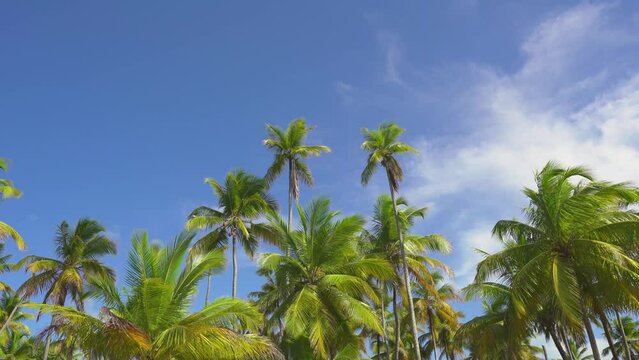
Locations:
(118, 110)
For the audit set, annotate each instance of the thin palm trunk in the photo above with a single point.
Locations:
(384, 336)
(571, 355)
(591, 334)
(47, 344)
(557, 341)
(432, 334)
(9, 318)
(208, 288)
(379, 347)
(409, 295)
(234, 289)
(626, 347)
(397, 330)
(608, 333)
(291, 185)
(545, 353)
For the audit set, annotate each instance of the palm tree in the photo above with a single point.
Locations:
(381, 241)
(383, 146)
(488, 336)
(630, 327)
(78, 250)
(7, 190)
(290, 150)
(432, 307)
(241, 200)
(321, 280)
(572, 248)
(150, 319)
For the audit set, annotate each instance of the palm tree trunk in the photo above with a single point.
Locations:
(591, 334)
(626, 347)
(379, 347)
(409, 295)
(557, 341)
(397, 330)
(571, 356)
(234, 289)
(208, 288)
(291, 185)
(9, 318)
(383, 308)
(47, 345)
(545, 353)
(606, 327)
(432, 334)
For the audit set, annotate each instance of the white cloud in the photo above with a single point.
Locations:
(392, 54)
(565, 103)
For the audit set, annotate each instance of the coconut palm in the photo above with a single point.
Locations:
(488, 336)
(381, 241)
(432, 308)
(150, 319)
(572, 248)
(78, 250)
(630, 327)
(242, 200)
(290, 151)
(323, 284)
(383, 146)
(7, 190)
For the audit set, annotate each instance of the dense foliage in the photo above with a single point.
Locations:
(338, 286)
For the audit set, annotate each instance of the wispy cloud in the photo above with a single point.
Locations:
(573, 99)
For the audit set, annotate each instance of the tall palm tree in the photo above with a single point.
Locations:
(432, 307)
(150, 319)
(383, 146)
(290, 150)
(78, 250)
(321, 280)
(242, 200)
(574, 251)
(7, 190)
(381, 241)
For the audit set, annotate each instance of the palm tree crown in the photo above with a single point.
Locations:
(78, 249)
(242, 199)
(290, 150)
(383, 145)
(570, 252)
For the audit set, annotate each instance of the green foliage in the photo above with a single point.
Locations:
(290, 150)
(151, 318)
(321, 287)
(7, 190)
